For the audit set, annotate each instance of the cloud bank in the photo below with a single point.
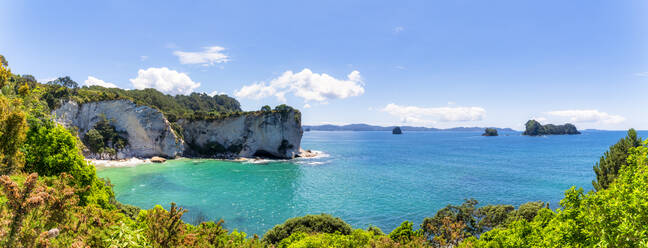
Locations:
(590, 115)
(307, 85)
(414, 114)
(208, 57)
(95, 81)
(164, 80)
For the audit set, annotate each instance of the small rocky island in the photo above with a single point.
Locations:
(397, 130)
(490, 132)
(534, 128)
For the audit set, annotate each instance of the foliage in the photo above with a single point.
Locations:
(322, 223)
(33, 209)
(51, 150)
(163, 228)
(104, 138)
(123, 236)
(403, 233)
(490, 132)
(13, 126)
(607, 169)
(173, 107)
(612, 217)
(65, 82)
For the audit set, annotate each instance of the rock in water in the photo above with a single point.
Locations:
(534, 128)
(157, 159)
(397, 130)
(490, 132)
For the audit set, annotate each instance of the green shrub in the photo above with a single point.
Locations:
(50, 150)
(323, 223)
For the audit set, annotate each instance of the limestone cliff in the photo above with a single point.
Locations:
(269, 134)
(148, 132)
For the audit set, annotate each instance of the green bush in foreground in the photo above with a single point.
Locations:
(51, 149)
(322, 223)
(612, 217)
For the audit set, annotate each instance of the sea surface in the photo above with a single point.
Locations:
(369, 178)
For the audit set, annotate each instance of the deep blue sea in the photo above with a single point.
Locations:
(370, 178)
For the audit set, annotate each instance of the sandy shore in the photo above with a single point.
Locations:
(306, 154)
(119, 163)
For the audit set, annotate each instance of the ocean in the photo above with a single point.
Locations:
(369, 178)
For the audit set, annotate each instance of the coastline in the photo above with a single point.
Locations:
(130, 162)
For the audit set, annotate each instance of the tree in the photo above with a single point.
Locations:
(5, 72)
(266, 108)
(323, 223)
(13, 126)
(403, 233)
(50, 150)
(65, 82)
(607, 169)
(3, 61)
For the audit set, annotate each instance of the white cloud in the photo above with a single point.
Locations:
(215, 93)
(307, 85)
(414, 114)
(95, 81)
(398, 29)
(590, 115)
(164, 80)
(307, 105)
(143, 57)
(209, 56)
(642, 74)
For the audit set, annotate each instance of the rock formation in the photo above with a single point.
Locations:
(269, 134)
(534, 128)
(490, 132)
(397, 130)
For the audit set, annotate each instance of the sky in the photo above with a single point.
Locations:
(421, 63)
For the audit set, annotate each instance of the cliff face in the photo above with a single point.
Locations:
(271, 134)
(148, 132)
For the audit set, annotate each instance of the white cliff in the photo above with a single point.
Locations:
(272, 134)
(149, 133)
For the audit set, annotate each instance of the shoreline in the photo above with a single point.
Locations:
(132, 162)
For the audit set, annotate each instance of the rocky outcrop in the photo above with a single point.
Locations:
(490, 132)
(148, 132)
(274, 134)
(534, 128)
(267, 134)
(397, 130)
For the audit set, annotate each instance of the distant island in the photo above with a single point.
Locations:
(366, 127)
(490, 132)
(534, 128)
(397, 130)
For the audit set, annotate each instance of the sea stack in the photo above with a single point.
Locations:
(490, 132)
(397, 130)
(534, 128)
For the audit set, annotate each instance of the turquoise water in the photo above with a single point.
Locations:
(369, 177)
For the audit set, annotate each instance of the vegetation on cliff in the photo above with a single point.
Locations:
(103, 138)
(534, 128)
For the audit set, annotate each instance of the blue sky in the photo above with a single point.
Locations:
(424, 63)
